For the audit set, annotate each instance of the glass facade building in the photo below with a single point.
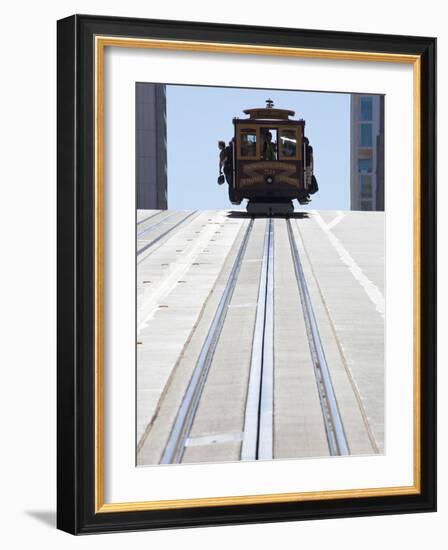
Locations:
(367, 152)
(150, 146)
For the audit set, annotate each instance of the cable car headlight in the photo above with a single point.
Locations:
(269, 179)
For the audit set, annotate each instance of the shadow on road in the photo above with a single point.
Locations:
(244, 215)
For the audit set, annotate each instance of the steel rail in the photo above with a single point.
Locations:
(154, 225)
(334, 428)
(258, 423)
(150, 217)
(159, 237)
(180, 431)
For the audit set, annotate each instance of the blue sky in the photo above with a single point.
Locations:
(199, 116)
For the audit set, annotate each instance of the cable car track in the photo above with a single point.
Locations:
(180, 431)
(144, 220)
(162, 235)
(258, 421)
(155, 225)
(334, 428)
(257, 437)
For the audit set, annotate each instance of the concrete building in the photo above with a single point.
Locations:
(150, 143)
(367, 152)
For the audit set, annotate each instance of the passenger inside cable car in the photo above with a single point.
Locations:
(288, 143)
(269, 147)
(248, 142)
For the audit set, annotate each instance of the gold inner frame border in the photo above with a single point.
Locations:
(100, 43)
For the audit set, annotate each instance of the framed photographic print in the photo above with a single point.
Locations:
(246, 274)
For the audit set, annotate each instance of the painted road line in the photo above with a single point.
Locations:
(372, 291)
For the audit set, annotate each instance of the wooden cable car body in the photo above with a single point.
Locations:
(269, 176)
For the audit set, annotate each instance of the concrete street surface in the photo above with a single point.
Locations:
(184, 259)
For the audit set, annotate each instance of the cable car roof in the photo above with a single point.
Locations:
(269, 112)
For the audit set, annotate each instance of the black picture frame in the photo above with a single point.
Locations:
(76, 511)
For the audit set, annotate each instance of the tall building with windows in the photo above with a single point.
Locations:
(367, 152)
(150, 146)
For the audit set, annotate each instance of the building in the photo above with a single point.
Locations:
(150, 144)
(367, 152)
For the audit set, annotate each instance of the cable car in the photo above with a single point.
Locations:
(272, 161)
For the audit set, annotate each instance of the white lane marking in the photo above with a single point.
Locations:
(336, 220)
(163, 287)
(237, 306)
(372, 291)
(213, 439)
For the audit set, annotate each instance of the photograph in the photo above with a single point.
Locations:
(260, 274)
(246, 241)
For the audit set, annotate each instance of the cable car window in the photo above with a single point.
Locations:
(288, 143)
(248, 147)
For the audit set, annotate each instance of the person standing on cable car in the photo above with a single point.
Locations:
(222, 158)
(228, 162)
(269, 152)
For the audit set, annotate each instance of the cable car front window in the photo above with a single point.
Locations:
(248, 143)
(288, 143)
